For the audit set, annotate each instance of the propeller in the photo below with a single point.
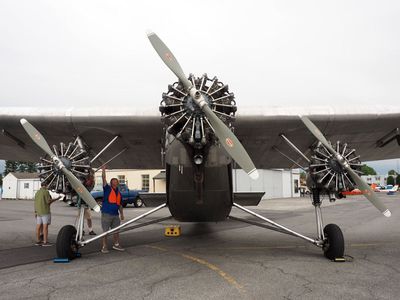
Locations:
(362, 185)
(76, 184)
(226, 137)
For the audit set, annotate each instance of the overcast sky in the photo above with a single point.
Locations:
(84, 53)
(63, 53)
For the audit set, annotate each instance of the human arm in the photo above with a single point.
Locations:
(121, 212)
(50, 200)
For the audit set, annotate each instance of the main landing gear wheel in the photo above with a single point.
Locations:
(334, 242)
(66, 245)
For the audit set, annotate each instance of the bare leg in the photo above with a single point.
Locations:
(45, 232)
(104, 242)
(116, 238)
(38, 231)
(89, 224)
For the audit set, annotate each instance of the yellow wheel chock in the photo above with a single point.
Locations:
(173, 230)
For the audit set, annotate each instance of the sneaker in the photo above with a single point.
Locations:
(39, 243)
(104, 250)
(47, 244)
(118, 247)
(92, 233)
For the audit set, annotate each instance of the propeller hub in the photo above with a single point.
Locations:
(335, 165)
(195, 101)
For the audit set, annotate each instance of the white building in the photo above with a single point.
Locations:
(20, 185)
(278, 183)
(152, 181)
(380, 180)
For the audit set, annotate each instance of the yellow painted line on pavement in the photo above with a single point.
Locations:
(227, 277)
(221, 273)
(366, 245)
(255, 247)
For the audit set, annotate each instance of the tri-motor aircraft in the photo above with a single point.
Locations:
(200, 138)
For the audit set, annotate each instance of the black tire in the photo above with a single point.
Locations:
(66, 246)
(334, 242)
(124, 204)
(138, 202)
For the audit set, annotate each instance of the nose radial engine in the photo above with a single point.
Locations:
(186, 121)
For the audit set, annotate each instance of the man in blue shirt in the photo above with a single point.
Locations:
(111, 211)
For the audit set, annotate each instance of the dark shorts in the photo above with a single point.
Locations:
(109, 221)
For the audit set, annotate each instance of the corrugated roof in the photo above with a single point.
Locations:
(24, 175)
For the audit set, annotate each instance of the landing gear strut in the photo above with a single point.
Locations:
(331, 235)
(70, 238)
(329, 238)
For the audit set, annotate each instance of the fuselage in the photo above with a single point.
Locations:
(198, 193)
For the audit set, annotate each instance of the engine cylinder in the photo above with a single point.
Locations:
(75, 158)
(185, 120)
(327, 173)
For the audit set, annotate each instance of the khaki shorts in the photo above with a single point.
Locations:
(45, 219)
(109, 221)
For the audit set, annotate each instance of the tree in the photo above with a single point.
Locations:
(19, 166)
(390, 180)
(29, 167)
(398, 179)
(392, 172)
(367, 170)
(11, 166)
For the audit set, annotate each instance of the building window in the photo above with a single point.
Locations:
(121, 179)
(145, 182)
(26, 185)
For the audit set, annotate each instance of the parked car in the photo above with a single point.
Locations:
(128, 196)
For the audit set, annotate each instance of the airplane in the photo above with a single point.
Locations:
(199, 140)
(389, 189)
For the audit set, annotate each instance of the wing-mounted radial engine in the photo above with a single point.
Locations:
(61, 165)
(332, 169)
(75, 158)
(326, 173)
(185, 120)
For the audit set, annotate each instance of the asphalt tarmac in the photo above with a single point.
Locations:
(227, 260)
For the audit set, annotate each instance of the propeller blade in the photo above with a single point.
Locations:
(37, 137)
(317, 133)
(231, 143)
(368, 192)
(361, 184)
(169, 59)
(81, 190)
(227, 139)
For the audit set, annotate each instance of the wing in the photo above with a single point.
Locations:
(139, 132)
(363, 129)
